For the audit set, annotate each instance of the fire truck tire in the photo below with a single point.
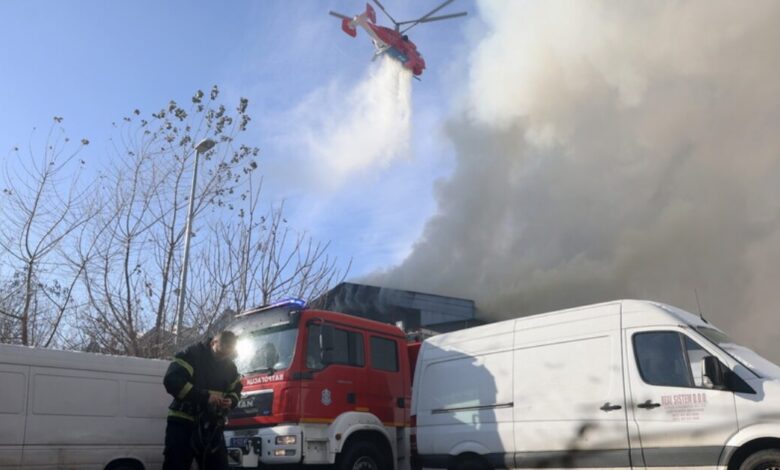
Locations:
(361, 456)
(762, 460)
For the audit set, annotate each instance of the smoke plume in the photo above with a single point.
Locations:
(615, 150)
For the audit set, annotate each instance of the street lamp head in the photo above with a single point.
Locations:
(205, 145)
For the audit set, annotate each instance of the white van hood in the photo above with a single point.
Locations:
(753, 361)
(761, 407)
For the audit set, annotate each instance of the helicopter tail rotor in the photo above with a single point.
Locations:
(381, 7)
(370, 13)
(348, 26)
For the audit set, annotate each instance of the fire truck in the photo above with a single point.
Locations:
(321, 387)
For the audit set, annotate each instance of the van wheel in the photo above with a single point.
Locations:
(469, 462)
(361, 456)
(125, 465)
(768, 459)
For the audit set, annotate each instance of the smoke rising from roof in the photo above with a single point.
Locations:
(613, 150)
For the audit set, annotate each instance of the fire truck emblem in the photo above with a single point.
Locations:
(326, 399)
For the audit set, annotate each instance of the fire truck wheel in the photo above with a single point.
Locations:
(768, 459)
(361, 456)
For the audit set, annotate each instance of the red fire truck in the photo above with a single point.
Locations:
(321, 388)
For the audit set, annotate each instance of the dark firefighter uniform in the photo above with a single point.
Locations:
(192, 374)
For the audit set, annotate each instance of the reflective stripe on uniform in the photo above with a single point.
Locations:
(184, 390)
(184, 364)
(235, 382)
(180, 414)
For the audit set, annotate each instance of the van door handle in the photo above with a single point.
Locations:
(648, 405)
(607, 407)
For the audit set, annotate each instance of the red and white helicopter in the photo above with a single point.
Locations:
(393, 42)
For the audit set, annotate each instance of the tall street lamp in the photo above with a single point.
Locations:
(203, 146)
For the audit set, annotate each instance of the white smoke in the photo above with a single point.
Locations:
(345, 132)
(610, 150)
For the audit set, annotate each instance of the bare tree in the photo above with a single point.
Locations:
(97, 266)
(44, 208)
(290, 264)
(132, 281)
(257, 259)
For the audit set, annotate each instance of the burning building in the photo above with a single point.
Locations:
(413, 311)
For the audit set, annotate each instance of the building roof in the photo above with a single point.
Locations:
(414, 309)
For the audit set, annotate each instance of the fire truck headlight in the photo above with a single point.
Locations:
(244, 349)
(286, 440)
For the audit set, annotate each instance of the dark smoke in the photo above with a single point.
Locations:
(615, 151)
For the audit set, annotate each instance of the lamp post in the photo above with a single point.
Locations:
(203, 146)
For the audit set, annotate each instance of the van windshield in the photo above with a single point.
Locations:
(266, 350)
(746, 356)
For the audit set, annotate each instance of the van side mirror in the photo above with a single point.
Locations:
(717, 376)
(713, 373)
(326, 344)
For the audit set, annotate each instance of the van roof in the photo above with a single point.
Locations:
(650, 313)
(635, 313)
(56, 358)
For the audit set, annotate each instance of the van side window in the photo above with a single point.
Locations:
(348, 348)
(384, 354)
(669, 358)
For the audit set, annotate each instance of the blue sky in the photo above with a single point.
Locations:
(93, 62)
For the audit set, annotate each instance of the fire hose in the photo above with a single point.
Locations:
(207, 438)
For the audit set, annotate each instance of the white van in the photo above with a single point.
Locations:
(623, 384)
(73, 410)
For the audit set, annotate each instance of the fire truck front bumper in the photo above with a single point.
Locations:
(248, 448)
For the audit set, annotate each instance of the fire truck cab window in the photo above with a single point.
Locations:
(384, 354)
(347, 348)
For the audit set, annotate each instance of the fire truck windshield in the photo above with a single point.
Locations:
(266, 350)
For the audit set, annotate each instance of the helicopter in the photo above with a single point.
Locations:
(393, 41)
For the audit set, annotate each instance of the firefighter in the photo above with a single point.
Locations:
(205, 385)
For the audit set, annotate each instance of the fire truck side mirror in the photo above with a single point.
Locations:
(326, 344)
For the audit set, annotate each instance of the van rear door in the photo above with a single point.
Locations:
(681, 422)
(463, 397)
(13, 390)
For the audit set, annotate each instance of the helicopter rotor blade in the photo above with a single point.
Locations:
(444, 4)
(339, 15)
(425, 17)
(381, 7)
(436, 18)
